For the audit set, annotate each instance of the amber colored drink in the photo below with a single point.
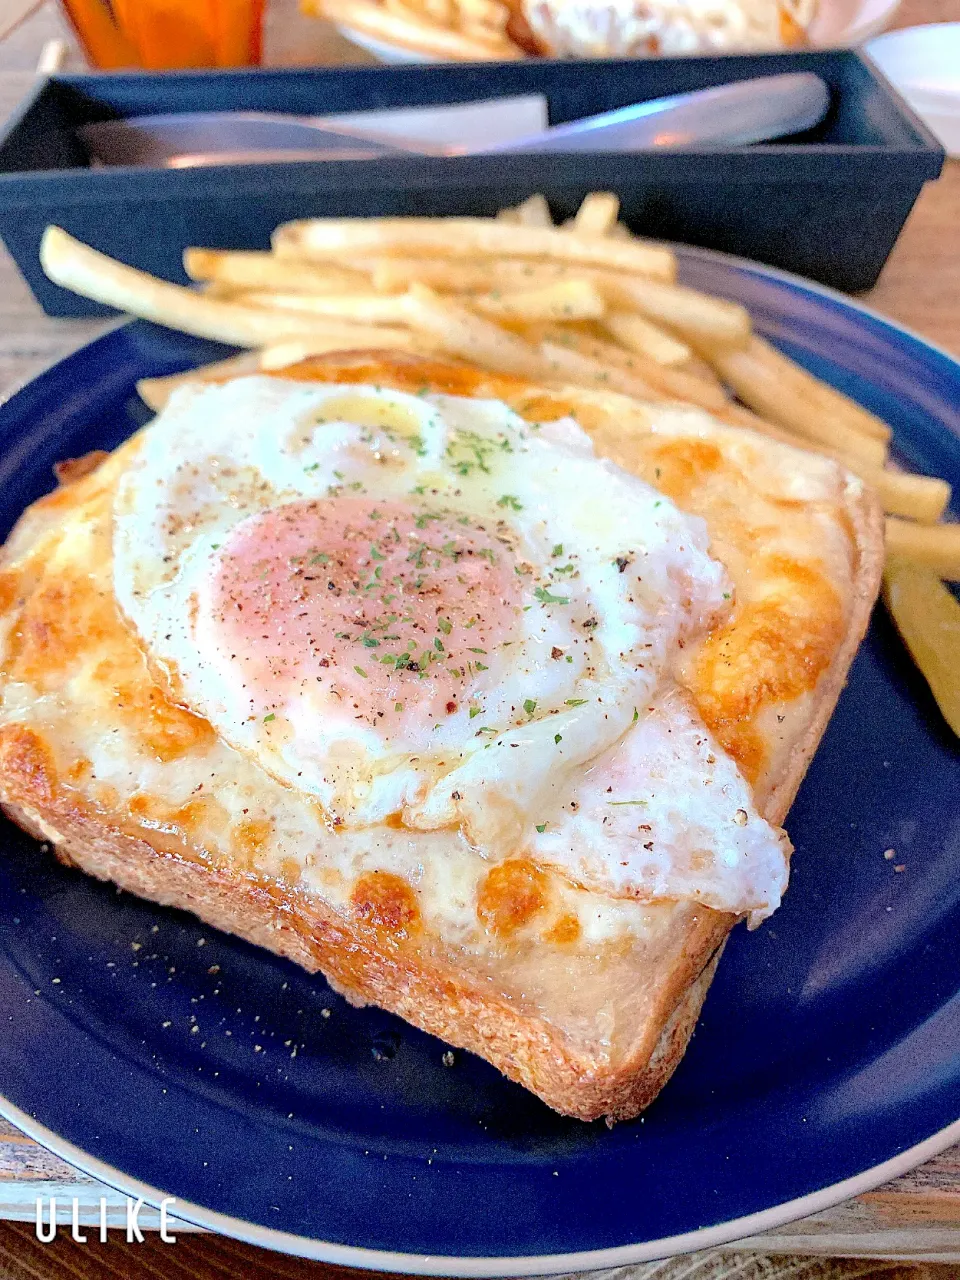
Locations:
(160, 35)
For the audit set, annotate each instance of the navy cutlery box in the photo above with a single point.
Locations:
(828, 204)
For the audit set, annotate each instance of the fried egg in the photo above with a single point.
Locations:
(428, 613)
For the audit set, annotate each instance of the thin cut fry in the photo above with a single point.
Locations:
(667, 383)
(486, 13)
(920, 498)
(364, 308)
(346, 338)
(927, 616)
(460, 332)
(250, 270)
(597, 214)
(565, 300)
(568, 367)
(698, 317)
(832, 402)
(413, 32)
(391, 274)
(443, 12)
(638, 334)
(534, 212)
(468, 238)
(155, 392)
(785, 401)
(933, 546)
(86, 271)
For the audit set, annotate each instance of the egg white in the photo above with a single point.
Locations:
(613, 578)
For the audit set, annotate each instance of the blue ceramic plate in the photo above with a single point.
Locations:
(827, 1059)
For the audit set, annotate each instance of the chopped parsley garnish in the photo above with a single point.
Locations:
(360, 672)
(558, 549)
(267, 719)
(541, 827)
(558, 737)
(446, 626)
(575, 702)
(474, 711)
(510, 500)
(530, 706)
(545, 597)
(622, 802)
(636, 715)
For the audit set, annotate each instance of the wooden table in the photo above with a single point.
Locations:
(915, 1217)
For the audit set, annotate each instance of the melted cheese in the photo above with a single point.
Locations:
(120, 743)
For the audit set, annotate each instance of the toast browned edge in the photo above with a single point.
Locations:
(445, 1001)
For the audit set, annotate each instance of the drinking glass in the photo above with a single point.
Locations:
(160, 35)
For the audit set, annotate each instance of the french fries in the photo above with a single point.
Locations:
(696, 317)
(404, 25)
(374, 338)
(362, 308)
(325, 238)
(638, 334)
(350, 338)
(831, 402)
(565, 300)
(461, 332)
(927, 616)
(598, 214)
(532, 212)
(777, 389)
(84, 270)
(452, 29)
(664, 382)
(250, 270)
(935, 547)
(920, 498)
(396, 274)
(568, 367)
(155, 392)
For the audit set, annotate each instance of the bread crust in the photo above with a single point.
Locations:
(435, 995)
(441, 1001)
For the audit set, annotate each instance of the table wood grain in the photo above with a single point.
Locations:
(915, 1217)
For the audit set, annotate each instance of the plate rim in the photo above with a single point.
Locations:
(475, 1268)
(454, 1265)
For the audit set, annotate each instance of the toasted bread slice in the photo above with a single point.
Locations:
(588, 1001)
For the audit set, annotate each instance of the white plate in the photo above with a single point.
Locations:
(923, 63)
(394, 54)
(840, 24)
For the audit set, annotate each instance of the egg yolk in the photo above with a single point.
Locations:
(374, 603)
